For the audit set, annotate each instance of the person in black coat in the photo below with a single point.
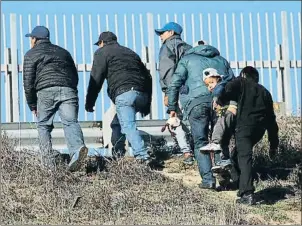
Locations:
(129, 87)
(50, 85)
(255, 115)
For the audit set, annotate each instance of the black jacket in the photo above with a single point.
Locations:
(47, 65)
(123, 70)
(255, 106)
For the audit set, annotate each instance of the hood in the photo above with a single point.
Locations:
(204, 50)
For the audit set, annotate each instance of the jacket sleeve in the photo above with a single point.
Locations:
(272, 126)
(97, 77)
(231, 92)
(227, 77)
(167, 66)
(29, 78)
(179, 79)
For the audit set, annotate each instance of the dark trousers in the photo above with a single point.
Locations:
(246, 138)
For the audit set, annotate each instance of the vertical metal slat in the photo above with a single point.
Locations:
(83, 61)
(268, 53)
(201, 26)
(102, 90)
(252, 38)
(218, 31)
(133, 32)
(126, 30)
(285, 57)
(295, 64)
(260, 48)
(226, 37)
(235, 42)
(193, 28)
(184, 26)
(210, 28)
(22, 61)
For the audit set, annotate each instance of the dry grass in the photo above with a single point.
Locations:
(131, 193)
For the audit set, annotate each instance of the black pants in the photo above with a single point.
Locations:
(246, 138)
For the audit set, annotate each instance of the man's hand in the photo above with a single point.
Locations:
(173, 114)
(232, 109)
(88, 108)
(166, 103)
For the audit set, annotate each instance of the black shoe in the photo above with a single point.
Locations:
(247, 199)
(207, 186)
(152, 163)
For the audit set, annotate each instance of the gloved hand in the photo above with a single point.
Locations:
(89, 108)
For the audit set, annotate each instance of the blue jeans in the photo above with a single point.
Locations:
(127, 105)
(200, 118)
(65, 101)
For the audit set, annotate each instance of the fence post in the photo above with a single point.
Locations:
(14, 68)
(152, 65)
(286, 64)
(280, 84)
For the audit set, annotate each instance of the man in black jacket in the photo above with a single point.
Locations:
(255, 115)
(129, 87)
(50, 84)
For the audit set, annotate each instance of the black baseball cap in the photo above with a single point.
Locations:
(106, 36)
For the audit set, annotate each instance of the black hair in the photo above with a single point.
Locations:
(250, 72)
(200, 42)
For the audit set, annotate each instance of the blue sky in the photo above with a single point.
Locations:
(147, 6)
(162, 8)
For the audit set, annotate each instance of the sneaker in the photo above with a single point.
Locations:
(211, 147)
(77, 164)
(188, 159)
(222, 165)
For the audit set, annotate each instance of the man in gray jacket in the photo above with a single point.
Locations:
(172, 50)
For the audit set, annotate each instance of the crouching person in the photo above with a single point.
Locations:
(50, 84)
(255, 115)
(129, 88)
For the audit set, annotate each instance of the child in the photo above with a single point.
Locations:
(224, 127)
(255, 116)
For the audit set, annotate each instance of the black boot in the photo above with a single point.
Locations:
(247, 199)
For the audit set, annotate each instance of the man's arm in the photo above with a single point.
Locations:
(231, 92)
(167, 65)
(272, 126)
(97, 77)
(179, 78)
(29, 78)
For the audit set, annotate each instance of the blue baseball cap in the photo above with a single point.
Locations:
(170, 27)
(39, 32)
